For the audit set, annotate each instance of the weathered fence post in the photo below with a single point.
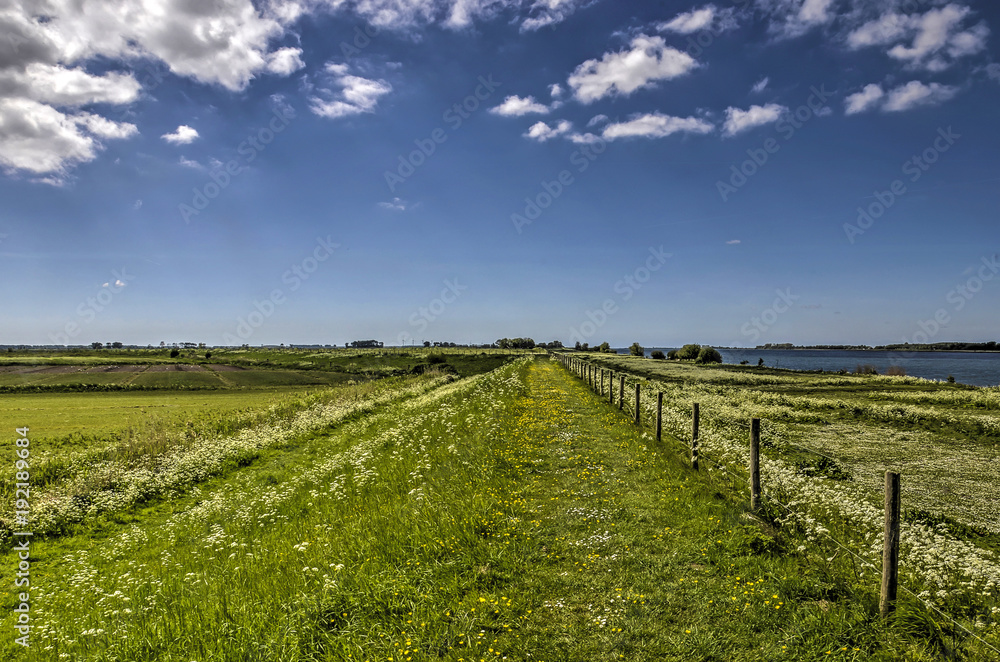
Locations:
(611, 386)
(890, 552)
(694, 437)
(659, 414)
(638, 421)
(621, 392)
(602, 382)
(754, 464)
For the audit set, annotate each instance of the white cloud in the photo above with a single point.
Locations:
(555, 90)
(184, 135)
(655, 125)
(285, 61)
(515, 106)
(354, 94)
(887, 29)
(104, 128)
(188, 163)
(993, 71)
(759, 86)
(915, 94)
(549, 12)
(60, 55)
(938, 33)
(541, 131)
(793, 18)
(137, 205)
(39, 139)
(396, 205)
(738, 121)
(648, 60)
(866, 99)
(733, 242)
(708, 17)
(597, 119)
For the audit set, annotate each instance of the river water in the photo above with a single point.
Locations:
(977, 368)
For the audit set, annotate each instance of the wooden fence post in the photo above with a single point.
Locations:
(890, 552)
(602, 382)
(694, 437)
(611, 386)
(637, 419)
(659, 414)
(621, 392)
(755, 464)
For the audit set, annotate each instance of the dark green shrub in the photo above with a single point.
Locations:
(657, 354)
(709, 355)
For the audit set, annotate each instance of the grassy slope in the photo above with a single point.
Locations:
(497, 518)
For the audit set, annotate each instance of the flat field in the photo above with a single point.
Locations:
(512, 514)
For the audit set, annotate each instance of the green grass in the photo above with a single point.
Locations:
(512, 516)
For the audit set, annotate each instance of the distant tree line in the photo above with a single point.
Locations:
(585, 347)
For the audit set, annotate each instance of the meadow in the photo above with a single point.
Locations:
(508, 514)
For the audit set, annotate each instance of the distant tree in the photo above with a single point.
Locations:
(689, 352)
(760, 363)
(577, 346)
(585, 347)
(635, 349)
(96, 345)
(709, 355)
(657, 354)
(163, 344)
(556, 344)
(672, 355)
(427, 343)
(208, 355)
(116, 345)
(604, 347)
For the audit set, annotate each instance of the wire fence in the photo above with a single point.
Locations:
(595, 376)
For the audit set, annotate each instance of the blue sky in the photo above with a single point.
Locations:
(807, 171)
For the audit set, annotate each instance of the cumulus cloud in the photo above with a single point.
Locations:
(184, 135)
(655, 125)
(346, 94)
(738, 121)
(647, 60)
(933, 40)
(904, 97)
(61, 55)
(793, 18)
(866, 99)
(759, 86)
(541, 131)
(915, 94)
(285, 61)
(515, 106)
(556, 90)
(708, 17)
(549, 12)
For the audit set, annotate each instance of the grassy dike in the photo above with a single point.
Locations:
(511, 515)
